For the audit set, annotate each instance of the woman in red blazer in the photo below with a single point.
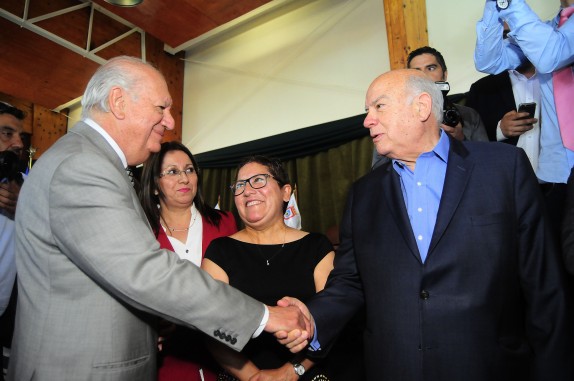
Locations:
(172, 199)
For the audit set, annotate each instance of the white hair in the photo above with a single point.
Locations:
(416, 85)
(112, 73)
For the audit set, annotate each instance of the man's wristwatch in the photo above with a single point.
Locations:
(503, 4)
(299, 369)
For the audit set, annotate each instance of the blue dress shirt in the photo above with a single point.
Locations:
(422, 191)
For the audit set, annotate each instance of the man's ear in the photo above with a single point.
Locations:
(117, 102)
(423, 106)
(445, 75)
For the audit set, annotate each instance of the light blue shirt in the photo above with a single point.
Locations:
(422, 191)
(549, 49)
(7, 261)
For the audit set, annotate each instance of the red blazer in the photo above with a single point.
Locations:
(227, 226)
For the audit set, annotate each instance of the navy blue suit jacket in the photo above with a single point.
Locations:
(490, 301)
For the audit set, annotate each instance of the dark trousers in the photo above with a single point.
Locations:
(555, 202)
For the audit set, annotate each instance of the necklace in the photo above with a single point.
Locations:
(180, 229)
(268, 260)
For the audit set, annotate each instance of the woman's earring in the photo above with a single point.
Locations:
(155, 192)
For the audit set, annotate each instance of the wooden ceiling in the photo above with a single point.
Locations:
(176, 22)
(50, 48)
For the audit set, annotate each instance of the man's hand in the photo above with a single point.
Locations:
(291, 323)
(455, 132)
(9, 196)
(289, 326)
(294, 339)
(513, 125)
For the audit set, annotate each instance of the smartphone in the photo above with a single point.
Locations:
(530, 108)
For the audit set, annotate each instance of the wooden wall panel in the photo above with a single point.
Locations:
(48, 127)
(406, 23)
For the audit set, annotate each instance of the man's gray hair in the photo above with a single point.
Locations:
(417, 84)
(115, 72)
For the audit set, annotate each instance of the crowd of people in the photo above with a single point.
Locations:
(454, 257)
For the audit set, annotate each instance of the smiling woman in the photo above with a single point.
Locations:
(183, 222)
(268, 260)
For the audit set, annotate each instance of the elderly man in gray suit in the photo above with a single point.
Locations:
(91, 274)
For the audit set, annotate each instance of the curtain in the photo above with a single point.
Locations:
(322, 166)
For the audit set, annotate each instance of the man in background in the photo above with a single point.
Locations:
(91, 275)
(11, 125)
(498, 97)
(549, 48)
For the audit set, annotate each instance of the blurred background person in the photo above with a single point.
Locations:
(431, 62)
(268, 260)
(183, 222)
(498, 98)
(11, 147)
(548, 46)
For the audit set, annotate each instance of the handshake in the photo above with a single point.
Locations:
(291, 323)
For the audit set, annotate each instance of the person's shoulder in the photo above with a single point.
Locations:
(314, 236)
(226, 217)
(465, 109)
(488, 151)
(219, 244)
(489, 80)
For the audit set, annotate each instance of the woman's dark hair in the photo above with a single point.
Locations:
(275, 167)
(150, 183)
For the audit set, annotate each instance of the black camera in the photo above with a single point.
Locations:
(11, 167)
(450, 115)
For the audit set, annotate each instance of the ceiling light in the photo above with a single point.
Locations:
(124, 3)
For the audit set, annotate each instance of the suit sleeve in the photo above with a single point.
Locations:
(98, 224)
(548, 315)
(473, 127)
(343, 296)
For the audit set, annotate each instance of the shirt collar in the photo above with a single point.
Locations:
(109, 139)
(519, 76)
(440, 150)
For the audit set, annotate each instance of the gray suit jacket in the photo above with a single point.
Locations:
(92, 275)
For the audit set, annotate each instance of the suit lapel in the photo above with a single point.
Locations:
(458, 173)
(391, 185)
(102, 145)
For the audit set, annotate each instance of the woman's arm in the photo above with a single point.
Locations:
(322, 270)
(233, 362)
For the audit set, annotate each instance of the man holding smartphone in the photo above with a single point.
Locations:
(548, 46)
(500, 100)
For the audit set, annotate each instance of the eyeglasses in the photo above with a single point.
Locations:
(256, 182)
(174, 172)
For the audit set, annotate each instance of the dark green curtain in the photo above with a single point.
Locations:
(322, 174)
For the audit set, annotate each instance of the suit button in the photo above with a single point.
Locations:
(228, 338)
(424, 295)
(233, 341)
(216, 333)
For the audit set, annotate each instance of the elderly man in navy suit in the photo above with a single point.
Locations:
(447, 246)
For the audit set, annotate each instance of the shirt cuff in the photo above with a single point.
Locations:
(262, 324)
(315, 345)
(499, 135)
